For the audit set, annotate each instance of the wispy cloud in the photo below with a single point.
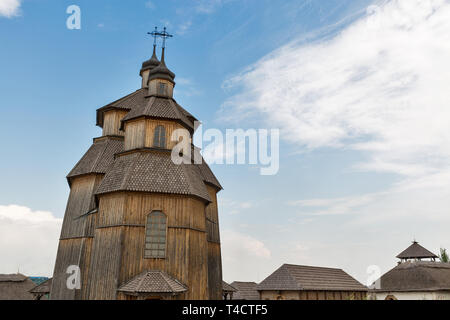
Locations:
(242, 255)
(28, 240)
(235, 207)
(150, 5)
(184, 27)
(208, 6)
(380, 86)
(10, 8)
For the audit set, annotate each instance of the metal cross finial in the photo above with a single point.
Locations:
(154, 34)
(164, 35)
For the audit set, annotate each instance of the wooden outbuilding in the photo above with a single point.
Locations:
(16, 287)
(133, 212)
(293, 282)
(245, 290)
(227, 291)
(42, 291)
(417, 276)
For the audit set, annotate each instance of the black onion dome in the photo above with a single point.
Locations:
(162, 72)
(150, 64)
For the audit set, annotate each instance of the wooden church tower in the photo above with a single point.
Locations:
(137, 225)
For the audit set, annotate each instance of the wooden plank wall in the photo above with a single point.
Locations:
(74, 244)
(313, 295)
(214, 250)
(123, 215)
(140, 133)
(111, 122)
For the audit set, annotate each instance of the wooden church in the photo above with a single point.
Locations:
(138, 225)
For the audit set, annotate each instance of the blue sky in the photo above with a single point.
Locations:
(356, 89)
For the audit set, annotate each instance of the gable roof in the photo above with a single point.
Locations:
(154, 281)
(416, 251)
(153, 171)
(294, 277)
(245, 291)
(417, 276)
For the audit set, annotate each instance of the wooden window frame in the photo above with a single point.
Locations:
(160, 137)
(162, 88)
(147, 225)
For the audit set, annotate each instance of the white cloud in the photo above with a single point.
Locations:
(234, 207)
(208, 6)
(28, 240)
(184, 27)
(381, 86)
(243, 256)
(9, 8)
(150, 5)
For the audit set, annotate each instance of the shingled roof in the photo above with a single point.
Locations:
(293, 277)
(416, 251)
(15, 287)
(228, 288)
(161, 108)
(153, 171)
(205, 170)
(417, 276)
(245, 291)
(155, 281)
(127, 102)
(43, 288)
(98, 158)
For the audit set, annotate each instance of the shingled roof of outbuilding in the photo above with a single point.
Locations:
(416, 251)
(43, 288)
(294, 277)
(98, 158)
(417, 276)
(245, 291)
(154, 281)
(161, 108)
(228, 288)
(153, 171)
(15, 287)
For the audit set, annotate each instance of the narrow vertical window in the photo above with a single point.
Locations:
(155, 236)
(162, 88)
(159, 140)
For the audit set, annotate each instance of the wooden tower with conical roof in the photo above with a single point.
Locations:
(137, 225)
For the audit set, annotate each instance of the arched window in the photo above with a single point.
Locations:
(159, 139)
(155, 235)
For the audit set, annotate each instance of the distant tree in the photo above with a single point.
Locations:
(444, 256)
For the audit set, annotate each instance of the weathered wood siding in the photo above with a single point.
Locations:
(111, 122)
(118, 250)
(140, 133)
(214, 250)
(68, 255)
(81, 200)
(74, 245)
(105, 264)
(312, 295)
